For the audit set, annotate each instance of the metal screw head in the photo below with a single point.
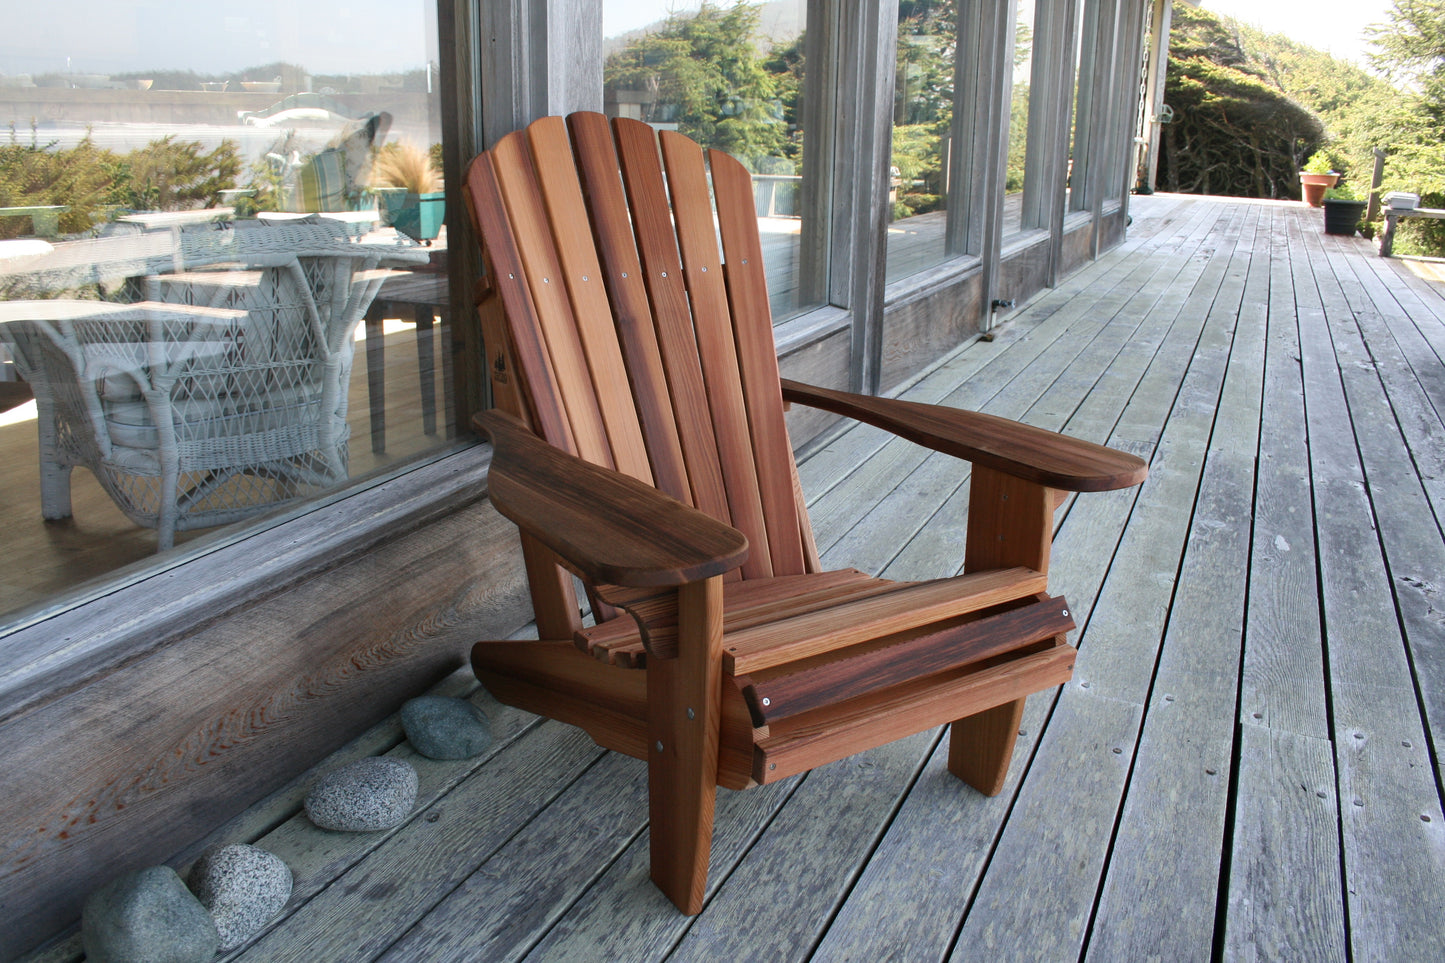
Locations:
(691, 714)
(659, 745)
(767, 701)
(1066, 613)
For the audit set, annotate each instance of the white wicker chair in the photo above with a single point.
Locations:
(222, 394)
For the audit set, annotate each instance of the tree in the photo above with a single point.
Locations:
(701, 71)
(1235, 132)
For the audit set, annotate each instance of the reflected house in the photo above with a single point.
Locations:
(188, 342)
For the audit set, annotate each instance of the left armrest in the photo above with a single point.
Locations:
(1023, 451)
(610, 527)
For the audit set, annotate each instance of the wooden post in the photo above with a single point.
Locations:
(1378, 178)
(684, 698)
(1010, 522)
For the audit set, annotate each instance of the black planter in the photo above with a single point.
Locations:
(1342, 216)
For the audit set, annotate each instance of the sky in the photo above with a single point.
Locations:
(340, 36)
(115, 36)
(1335, 26)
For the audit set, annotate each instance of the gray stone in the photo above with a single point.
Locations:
(364, 797)
(147, 915)
(243, 887)
(441, 727)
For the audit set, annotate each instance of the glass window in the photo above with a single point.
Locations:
(731, 78)
(207, 216)
(923, 100)
(1018, 127)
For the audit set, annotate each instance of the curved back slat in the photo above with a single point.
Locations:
(581, 273)
(671, 317)
(512, 161)
(747, 292)
(707, 293)
(597, 164)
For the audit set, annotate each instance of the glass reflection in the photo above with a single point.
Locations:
(918, 188)
(731, 78)
(201, 213)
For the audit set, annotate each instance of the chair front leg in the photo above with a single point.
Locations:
(684, 721)
(1010, 522)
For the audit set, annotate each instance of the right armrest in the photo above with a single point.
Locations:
(613, 528)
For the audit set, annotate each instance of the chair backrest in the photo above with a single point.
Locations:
(636, 343)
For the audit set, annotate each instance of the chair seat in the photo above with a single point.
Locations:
(773, 621)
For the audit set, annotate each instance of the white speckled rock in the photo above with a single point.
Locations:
(367, 796)
(441, 727)
(243, 887)
(147, 915)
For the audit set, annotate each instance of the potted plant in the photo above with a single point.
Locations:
(409, 191)
(1316, 177)
(1343, 210)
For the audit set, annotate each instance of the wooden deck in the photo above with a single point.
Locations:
(1245, 765)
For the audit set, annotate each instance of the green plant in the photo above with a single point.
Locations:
(1343, 192)
(1319, 163)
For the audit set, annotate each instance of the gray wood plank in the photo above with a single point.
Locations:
(778, 902)
(966, 383)
(1178, 792)
(1284, 879)
(623, 916)
(918, 881)
(1026, 908)
(1388, 421)
(891, 900)
(1393, 837)
(1283, 682)
(504, 906)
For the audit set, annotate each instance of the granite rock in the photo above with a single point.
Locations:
(147, 915)
(441, 727)
(243, 887)
(366, 796)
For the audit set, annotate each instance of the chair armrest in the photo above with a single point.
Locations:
(1023, 451)
(613, 528)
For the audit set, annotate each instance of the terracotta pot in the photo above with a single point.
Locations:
(1315, 185)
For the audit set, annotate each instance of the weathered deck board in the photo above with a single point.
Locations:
(1392, 828)
(1181, 773)
(1267, 606)
(912, 856)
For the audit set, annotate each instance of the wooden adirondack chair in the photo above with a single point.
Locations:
(640, 444)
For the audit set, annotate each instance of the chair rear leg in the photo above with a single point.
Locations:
(980, 746)
(684, 698)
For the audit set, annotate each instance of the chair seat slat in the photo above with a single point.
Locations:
(745, 604)
(851, 675)
(814, 633)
